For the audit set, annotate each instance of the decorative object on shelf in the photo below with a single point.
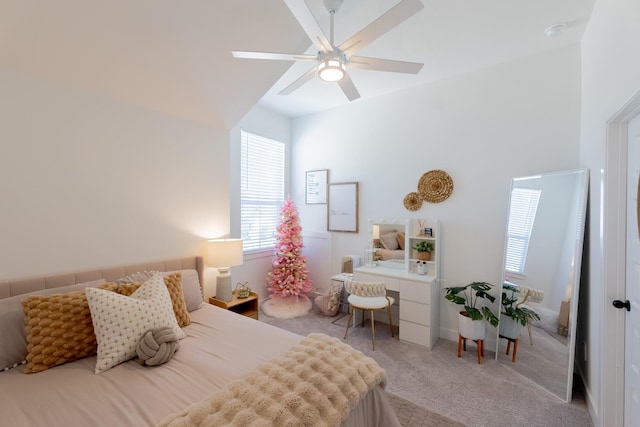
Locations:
(424, 249)
(421, 268)
(435, 186)
(243, 290)
(421, 227)
(412, 201)
(224, 254)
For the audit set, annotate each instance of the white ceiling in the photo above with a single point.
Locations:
(174, 57)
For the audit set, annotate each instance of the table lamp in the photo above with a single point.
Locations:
(224, 254)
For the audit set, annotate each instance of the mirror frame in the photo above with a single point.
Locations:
(575, 270)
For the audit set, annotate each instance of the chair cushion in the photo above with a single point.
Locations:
(369, 303)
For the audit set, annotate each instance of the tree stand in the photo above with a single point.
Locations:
(462, 344)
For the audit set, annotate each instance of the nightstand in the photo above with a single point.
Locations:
(245, 306)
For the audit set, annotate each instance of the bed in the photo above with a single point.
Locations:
(221, 350)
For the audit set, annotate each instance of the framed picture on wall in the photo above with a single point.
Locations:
(316, 187)
(342, 207)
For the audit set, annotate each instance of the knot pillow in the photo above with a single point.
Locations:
(157, 346)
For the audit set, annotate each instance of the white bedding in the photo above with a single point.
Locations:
(220, 347)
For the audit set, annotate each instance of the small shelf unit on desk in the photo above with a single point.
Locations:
(245, 306)
(415, 236)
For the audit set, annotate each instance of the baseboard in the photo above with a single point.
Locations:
(588, 397)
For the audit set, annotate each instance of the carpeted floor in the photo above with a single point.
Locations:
(411, 415)
(457, 388)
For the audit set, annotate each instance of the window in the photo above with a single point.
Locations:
(524, 205)
(261, 190)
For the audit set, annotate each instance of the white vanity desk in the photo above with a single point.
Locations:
(418, 312)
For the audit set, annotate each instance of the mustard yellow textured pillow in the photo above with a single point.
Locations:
(59, 329)
(400, 239)
(174, 286)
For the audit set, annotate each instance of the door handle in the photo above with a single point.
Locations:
(619, 304)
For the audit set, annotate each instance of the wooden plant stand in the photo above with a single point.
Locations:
(462, 344)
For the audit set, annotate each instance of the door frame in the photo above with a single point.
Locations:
(613, 207)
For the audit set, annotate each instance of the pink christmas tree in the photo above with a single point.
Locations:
(289, 276)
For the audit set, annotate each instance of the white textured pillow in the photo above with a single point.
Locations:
(190, 285)
(119, 321)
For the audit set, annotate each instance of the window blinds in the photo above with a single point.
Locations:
(261, 190)
(522, 215)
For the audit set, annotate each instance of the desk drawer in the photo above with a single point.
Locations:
(415, 291)
(417, 334)
(414, 312)
(391, 282)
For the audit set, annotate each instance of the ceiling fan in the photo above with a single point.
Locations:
(333, 61)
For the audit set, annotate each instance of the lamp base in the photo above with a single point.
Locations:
(224, 290)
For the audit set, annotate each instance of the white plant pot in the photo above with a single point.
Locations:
(471, 329)
(510, 328)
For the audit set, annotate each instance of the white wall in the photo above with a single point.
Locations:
(483, 128)
(87, 181)
(610, 77)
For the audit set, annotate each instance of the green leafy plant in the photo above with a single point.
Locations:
(510, 308)
(424, 246)
(468, 297)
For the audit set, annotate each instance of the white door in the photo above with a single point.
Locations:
(632, 321)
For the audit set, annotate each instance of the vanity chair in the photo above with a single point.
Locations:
(368, 296)
(531, 295)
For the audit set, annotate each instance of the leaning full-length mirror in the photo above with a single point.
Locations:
(541, 271)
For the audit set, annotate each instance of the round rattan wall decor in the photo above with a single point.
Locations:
(435, 186)
(413, 201)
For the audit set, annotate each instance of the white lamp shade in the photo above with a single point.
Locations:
(224, 252)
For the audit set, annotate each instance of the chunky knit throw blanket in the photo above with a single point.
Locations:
(315, 383)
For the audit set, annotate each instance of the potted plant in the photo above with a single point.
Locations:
(470, 324)
(514, 316)
(424, 249)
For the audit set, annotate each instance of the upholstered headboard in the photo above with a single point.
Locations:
(23, 286)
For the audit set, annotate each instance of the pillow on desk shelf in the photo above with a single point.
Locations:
(329, 303)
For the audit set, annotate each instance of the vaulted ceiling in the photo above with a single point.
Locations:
(175, 56)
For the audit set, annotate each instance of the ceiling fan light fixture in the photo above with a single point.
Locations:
(331, 70)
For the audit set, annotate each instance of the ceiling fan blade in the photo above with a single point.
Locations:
(349, 89)
(300, 81)
(384, 23)
(270, 55)
(303, 14)
(376, 64)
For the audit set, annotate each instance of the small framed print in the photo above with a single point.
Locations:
(428, 231)
(316, 187)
